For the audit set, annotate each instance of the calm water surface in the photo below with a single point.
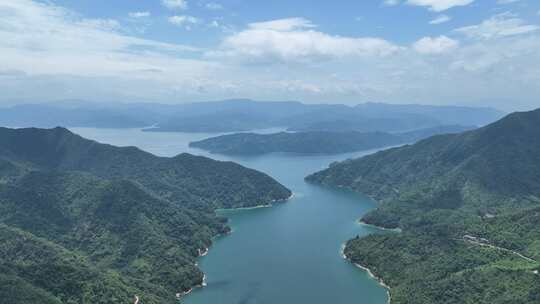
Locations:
(288, 254)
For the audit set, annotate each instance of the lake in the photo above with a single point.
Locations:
(287, 254)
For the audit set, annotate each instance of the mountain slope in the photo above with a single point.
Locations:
(497, 160)
(479, 189)
(36, 270)
(185, 178)
(115, 226)
(82, 222)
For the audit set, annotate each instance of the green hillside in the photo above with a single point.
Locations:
(82, 222)
(453, 196)
(185, 178)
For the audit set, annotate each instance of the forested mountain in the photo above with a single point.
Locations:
(467, 204)
(244, 115)
(314, 142)
(83, 222)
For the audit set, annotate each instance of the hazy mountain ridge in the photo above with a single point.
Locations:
(108, 223)
(314, 142)
(244, 115)
(453, 195)
(323, 117)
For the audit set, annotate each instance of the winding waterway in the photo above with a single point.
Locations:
(287, 254)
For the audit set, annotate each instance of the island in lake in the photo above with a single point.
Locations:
(321, 142)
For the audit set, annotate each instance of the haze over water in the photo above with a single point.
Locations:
(287, 254)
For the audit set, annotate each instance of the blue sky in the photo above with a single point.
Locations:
(467, 52)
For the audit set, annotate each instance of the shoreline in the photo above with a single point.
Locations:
(369, 272)
(244, 208)
(204, 252)
(362, 223)
(379, 280)
(203, 284)
(269, 205)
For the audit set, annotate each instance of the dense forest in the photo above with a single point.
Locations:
(83, 222)
(322, 142)
(469, 207)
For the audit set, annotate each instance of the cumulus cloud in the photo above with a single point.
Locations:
(175, 4)
(437, 45)
(439, 5)
(501, 25)
(49, 52)
(295, 39)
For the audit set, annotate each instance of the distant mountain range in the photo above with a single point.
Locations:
(84, 222)
(469, 207)
(323, 142)
(244, 115)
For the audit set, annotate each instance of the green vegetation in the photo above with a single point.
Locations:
(83, 222)
(303, 142)
(314, 142)
(469, 208)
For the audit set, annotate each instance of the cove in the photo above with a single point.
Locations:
(286, 254)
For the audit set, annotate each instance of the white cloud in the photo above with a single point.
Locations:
(102, 24)
(294, 39)
(43, 38)
(219, 25)
(214, 6)
(50, 53)
(139, 14)
(440, 19)
(184, 21)
(440, 5)
(501, 25)
(437, 45)
(175, 4)
(288, 24)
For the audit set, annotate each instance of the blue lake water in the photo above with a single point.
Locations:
(287, 254)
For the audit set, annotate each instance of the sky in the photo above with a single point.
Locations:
(442, 52)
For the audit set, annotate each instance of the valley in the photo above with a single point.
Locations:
(287, 253)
